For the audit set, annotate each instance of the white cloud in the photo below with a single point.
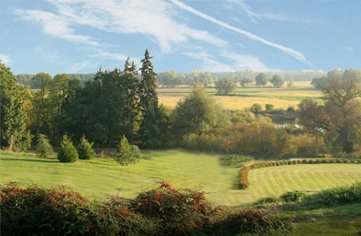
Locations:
(292, 52)
(154, 18)
(238, 62)
(5, 59)
(55, 25)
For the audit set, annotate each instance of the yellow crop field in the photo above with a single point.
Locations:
(241, 98)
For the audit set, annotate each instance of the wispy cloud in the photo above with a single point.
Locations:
(237, 62)
(292, 52)
(247, 9)
(5, 59)
(154, 18)
(55, 25)
(288, 18)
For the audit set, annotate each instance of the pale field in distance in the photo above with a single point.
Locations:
(242, 98)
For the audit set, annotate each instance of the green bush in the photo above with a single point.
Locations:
(267, 200)
(127, 153)
(292, 196)
(67, 152)
(85, 149)
(251, 222)
(43, 147)
(333, 197)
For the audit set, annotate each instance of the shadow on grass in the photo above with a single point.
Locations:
(29, 160)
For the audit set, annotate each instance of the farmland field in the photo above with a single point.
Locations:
(241, 98)
(100, 177)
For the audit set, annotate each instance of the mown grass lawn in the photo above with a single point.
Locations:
(199, 171)
(273, 181)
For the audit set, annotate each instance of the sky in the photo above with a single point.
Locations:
(80, 36)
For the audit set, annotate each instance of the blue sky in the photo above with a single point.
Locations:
(79, 36)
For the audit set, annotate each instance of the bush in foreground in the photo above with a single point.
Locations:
(43, 147)
(251, 221)
(85, 149)
(67, 152)
(161, 211)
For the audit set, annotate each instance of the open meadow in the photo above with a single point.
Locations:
(100, 177)
(241, 98)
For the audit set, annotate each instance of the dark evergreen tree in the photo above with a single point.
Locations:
(67, 152)
(85, 149)
(43, 147)
(150, 132)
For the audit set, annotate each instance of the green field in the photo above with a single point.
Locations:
(100, 177)
(242, 98)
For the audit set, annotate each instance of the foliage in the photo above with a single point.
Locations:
(14, 133)
(261, 80)
(277, 81)
(340, 116)
(179, 212)
(225, 86)
(308, 146)
(85, 149)
(258, 138)
(43, 147)
(333, 197)
(292, 196)
(127, 153)
(150, 133)
(252, 221)
(256, 108)
(60, 211)
(67, 152)
(269, 107)
(198, 113)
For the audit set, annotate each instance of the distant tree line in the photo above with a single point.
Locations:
(123, 103)
(171, 79)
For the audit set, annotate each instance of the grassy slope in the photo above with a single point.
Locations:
(97, 178)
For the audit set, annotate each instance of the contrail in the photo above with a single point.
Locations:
(296, 54)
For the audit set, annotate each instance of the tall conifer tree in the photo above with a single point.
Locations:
(149, 101)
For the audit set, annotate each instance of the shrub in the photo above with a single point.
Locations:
(292, 196)
(179, 212)
(85, 149)
(267, 200)
(37, 211)
(43, 147)
(60, 211)
(127, 153)
(260, 139)
(269, 107)
(308, 146)
(126, 221)
(333, 197)
(67, 152)
(252, 221)
(256, 108)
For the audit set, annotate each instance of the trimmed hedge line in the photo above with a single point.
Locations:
(244, 171)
